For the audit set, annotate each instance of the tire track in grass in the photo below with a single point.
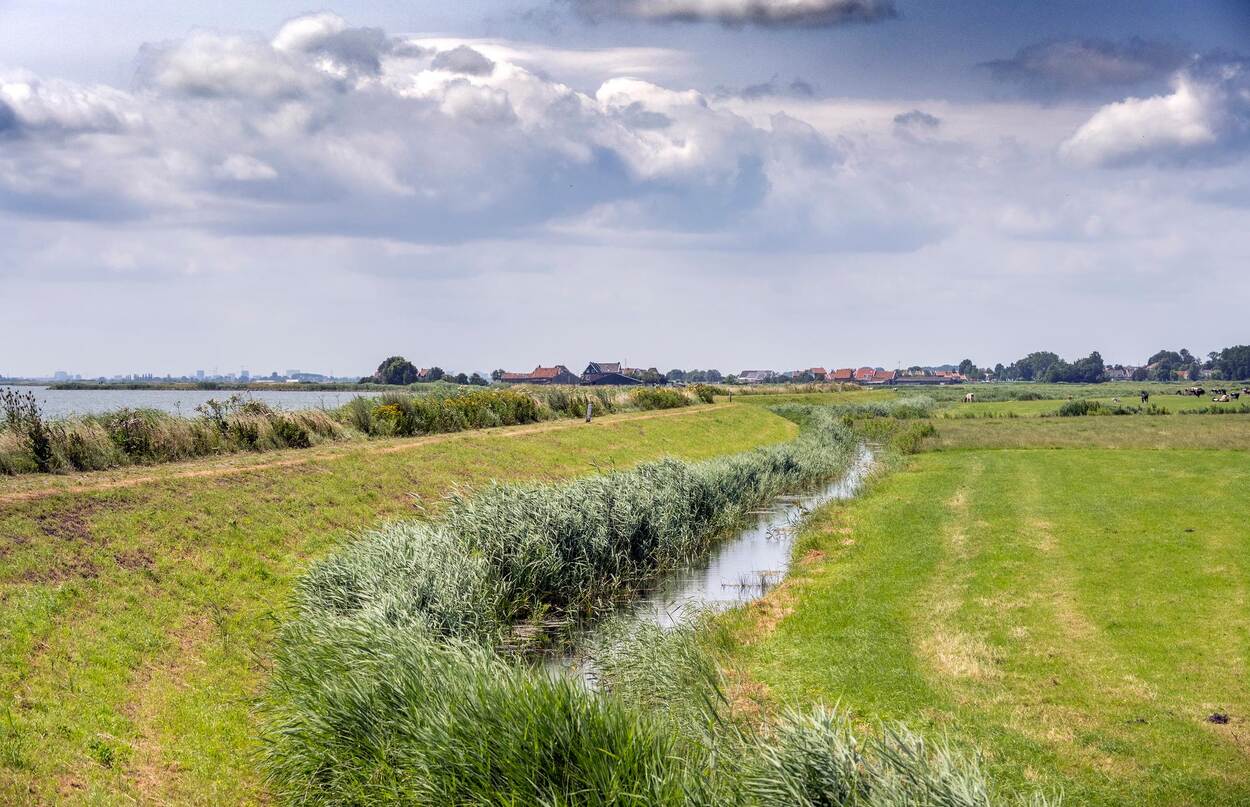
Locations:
(949, 649)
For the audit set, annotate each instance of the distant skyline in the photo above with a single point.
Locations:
(712, 183)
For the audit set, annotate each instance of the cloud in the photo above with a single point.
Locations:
(763, 13)
(916, 119)
(1206, 116)
(328, 36)
(770, 89)
(60, 107)
(324, 128)
(464, 59)
(1086, 66)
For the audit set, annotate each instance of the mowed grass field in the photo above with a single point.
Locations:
(137, 607)
(1067, 595)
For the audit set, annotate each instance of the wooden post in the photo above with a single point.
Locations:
(590, 408)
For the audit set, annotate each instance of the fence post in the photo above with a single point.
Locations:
(590, 408)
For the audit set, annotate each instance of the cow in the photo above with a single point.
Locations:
(1145, 396)
(1222, 398)
(971, 397)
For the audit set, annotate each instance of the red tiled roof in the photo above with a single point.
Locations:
(818, 371)
(845, 374)
(546, 372)
(884, 375)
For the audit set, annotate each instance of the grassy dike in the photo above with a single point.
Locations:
(1077, 614)
(137, 608)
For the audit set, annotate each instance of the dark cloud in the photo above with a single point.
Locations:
(770, 89)
(735, 13)
(8, 119)
(464, 59)
(1086, 66)
(917, 119)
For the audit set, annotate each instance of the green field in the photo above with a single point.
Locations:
(136, 608)
(1077, 615)
(1064, 596)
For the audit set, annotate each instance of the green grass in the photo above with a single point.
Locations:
(1170, 403)
(1076, 615)
(135, 620)
(1113, 432)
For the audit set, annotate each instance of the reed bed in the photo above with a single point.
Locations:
(394, 680)
(30, 443)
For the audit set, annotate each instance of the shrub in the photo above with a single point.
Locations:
(657, 398)
(1079, 408)
(704, 392)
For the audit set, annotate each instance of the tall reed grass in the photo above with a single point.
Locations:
(390, 684)
(31, 443)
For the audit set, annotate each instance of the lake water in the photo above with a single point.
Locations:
(62, 403)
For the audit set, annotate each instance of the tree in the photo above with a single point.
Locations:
(477, 380)
(675, 375)
(1234, 362)
(1033, 366)
(395, 370)
(436, 373)
(461, 378)
(714, 376)
(999, 371)
(496, 375)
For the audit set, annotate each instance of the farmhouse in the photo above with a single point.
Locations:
(864, 375)
(845, 375)
(755, 376)
(818, 373)
(559, 374)
(607, 373)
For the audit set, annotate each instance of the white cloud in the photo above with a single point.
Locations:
(65, 107)
(1207, 111)
(242, 168)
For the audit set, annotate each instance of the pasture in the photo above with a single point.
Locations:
(1065, 596)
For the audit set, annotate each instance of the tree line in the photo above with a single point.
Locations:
(1231, 363)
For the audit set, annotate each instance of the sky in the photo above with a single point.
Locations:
(675, 183)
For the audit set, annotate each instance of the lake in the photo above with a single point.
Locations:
(63, 403)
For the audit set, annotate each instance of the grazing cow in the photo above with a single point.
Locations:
(1115, 400)
(970, 397)
(1234, 395)
(1245, 390)
(1145, 396)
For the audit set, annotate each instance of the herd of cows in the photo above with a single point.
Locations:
(1217, 395)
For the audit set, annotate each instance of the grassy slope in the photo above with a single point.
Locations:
(134, 620)
(1079, 633)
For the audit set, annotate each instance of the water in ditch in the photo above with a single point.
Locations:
(738, 570)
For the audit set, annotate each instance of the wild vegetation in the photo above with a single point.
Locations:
(30, 442)
(442, 717)
(137, 608)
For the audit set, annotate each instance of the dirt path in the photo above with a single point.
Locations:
(97, 481)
